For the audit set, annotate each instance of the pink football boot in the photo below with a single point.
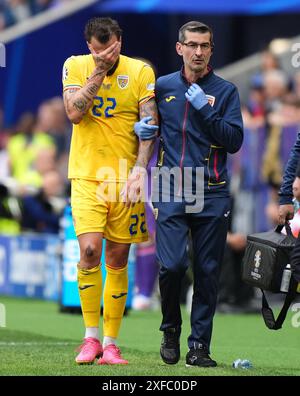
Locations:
(112, 355)
(90, 349)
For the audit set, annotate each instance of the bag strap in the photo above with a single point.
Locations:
(287, 226)
(267, 313)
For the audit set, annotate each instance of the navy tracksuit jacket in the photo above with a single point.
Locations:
(286, 190)
(195, 138)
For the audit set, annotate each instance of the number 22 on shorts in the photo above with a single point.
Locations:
(135, 224)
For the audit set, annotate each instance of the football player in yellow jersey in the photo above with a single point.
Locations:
(105, 96)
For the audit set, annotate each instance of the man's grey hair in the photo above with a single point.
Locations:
(195, 26)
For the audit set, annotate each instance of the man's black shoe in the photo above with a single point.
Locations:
(170, 346)
(199, 357)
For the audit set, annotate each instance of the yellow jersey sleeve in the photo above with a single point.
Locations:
(146, 84)
(71, 76)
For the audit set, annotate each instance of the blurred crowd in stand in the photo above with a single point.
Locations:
(33, 170)
(34, 188)
(14, 11)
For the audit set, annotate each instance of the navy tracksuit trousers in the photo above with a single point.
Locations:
(208, 231)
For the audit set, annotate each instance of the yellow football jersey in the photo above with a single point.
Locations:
(105, 135)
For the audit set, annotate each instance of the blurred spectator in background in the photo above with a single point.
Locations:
(268, 62)
(4, 158)
(60, 129)
(262, 97)
(276, 86)
(15, 11)
(288, 113)
(256, 103)
(41, 212)
(52, 120)
(296, 84)
(45, 161)
(40, 5)
(31, 188)
(2, 17)
(10, 212)
(254, 111)
(24, 148)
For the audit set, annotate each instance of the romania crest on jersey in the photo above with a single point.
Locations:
(123, 81)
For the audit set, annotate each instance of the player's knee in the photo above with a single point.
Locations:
(90, 252)
(115, 264)
(117, 258)
(90, 256)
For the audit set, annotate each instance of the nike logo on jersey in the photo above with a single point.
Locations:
(227, 213)
(85, 287)
(168, 99)
(119, 295)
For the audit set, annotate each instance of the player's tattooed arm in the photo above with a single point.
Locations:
(78, 103)
(149, 108)
(134, 187)
(134, 190)
(146, 147)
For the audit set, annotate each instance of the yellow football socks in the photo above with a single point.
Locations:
(114, 296)
(90, 285)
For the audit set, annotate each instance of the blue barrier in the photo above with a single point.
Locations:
(29, 266)
(69, 290)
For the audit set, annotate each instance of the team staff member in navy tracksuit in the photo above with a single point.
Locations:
(200, 122)
(286, 208)
(290, 188)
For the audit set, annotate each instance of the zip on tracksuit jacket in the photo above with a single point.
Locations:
(199, 138)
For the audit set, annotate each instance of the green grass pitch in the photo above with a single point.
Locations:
(38, 340)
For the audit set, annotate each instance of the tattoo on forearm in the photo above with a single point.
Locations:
(80, 105)
(146, 148)
(68, 94)
(82, 99)
(149, 109)
(92, 89)
(87, 97)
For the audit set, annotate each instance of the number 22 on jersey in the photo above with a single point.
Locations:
(103, 108)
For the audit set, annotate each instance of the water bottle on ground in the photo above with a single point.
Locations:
(242, 363)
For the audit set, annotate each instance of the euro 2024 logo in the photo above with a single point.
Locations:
(257, 260)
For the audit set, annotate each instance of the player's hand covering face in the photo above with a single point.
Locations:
(105, 55)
